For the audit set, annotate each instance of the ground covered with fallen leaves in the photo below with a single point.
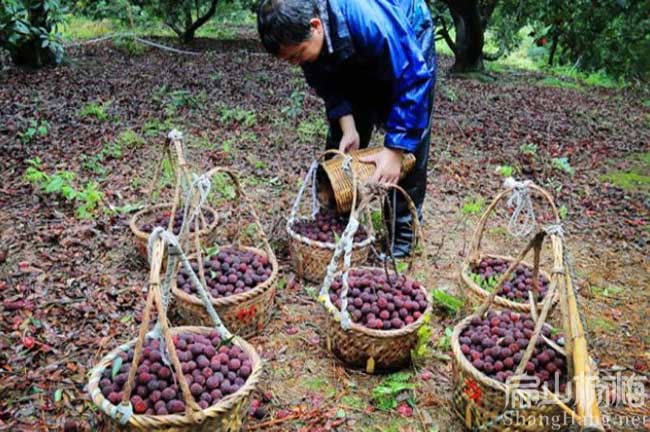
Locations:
(73, 288)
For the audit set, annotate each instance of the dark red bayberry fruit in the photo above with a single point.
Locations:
(326, 226)
(498, 354)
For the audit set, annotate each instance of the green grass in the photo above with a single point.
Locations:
(635, 178)
(553, 81)
(95, 109)
(80, 28)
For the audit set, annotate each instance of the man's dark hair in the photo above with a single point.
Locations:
(285, 22)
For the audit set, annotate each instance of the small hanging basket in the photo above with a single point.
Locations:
(131, 409)
(477, 293)
(357, 345)
(335, 185)
(310, 257)
(149, 213)
(246, 313)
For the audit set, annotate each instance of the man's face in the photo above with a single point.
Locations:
(308, 50)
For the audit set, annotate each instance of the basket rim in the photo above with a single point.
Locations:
(235, 298)
(385, 334)
(319, 244)
(501, 301)
(468, 367)
(150, 208)
(223, 405)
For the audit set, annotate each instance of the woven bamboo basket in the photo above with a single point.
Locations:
(182, 174)
(147, 213)
(309, 257)
(485, 404)
(480, 400)
(373, 350)
(335, 185)
(359, 346)
(245, 314)
(228, 415)
(475, 292)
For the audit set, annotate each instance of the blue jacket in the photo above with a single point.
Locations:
(378, 56)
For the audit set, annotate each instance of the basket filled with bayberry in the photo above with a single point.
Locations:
(313, 237)
(373, 313)
(513, 372)
(240, 278)
(493, 378)
(526, 283)
(176, 378)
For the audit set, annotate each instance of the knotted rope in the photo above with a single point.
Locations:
(523, 207)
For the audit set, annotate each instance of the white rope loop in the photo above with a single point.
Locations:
(311, 175)
(523, 207)
(344, 246)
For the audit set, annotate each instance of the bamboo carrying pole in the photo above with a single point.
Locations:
(586, 400)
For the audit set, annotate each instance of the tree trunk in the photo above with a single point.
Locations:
(469, 35)
(191, 27)
(31, 53)
(555, 40)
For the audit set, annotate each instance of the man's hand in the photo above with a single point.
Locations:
(350, 139)
(388, 164)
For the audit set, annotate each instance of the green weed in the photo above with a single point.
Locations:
(243, 117)
(94, 109)
(449, 302)
(562, 164)
(37, 128)
(312, 129)
(505, 170)
(473, 206)
(528, 148)
(385, 395)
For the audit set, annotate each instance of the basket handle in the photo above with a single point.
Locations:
(154, 298)
(242, 202)
(309, 177)
(344, 246)
(475, 248)
(181, 170)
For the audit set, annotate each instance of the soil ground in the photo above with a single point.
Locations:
(73, 289)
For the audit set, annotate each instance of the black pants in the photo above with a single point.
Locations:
(415, 183)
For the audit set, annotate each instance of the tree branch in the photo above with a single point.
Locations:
(202, 20)
(444, 33)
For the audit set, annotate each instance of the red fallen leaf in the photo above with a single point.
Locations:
(3, 285)
(267, 396)
(426, 376)
(405, 410)
(23, 266)
(282, 413)
(3, 256)
(17, 304)
(291, 330)
(28, 342)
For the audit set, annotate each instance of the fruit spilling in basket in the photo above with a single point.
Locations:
(230, 271)
(487, 273)
(212, 371)
(495, 346)
(162, 220)
(327, 226)
(380, 302)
